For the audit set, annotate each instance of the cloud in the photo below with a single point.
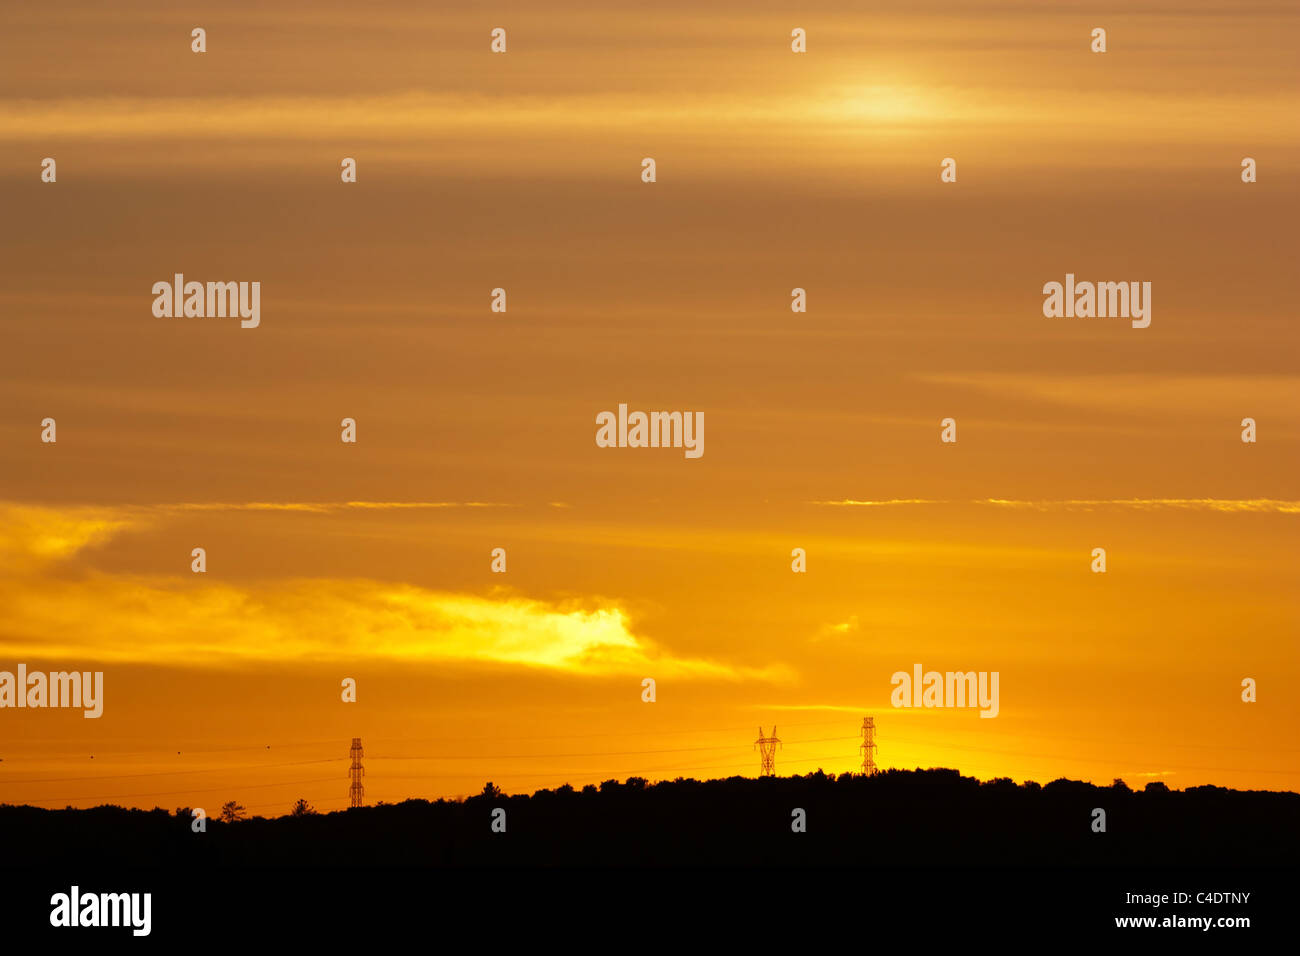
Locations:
(852, 109)
(1159, 394)
(32, 536)
(125, 619)
(883, 503)
(837, 630)
(1252, 505)
(326, 507)
(1229, 505)
(832, 708)
(191, 621)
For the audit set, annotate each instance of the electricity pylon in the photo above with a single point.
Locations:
(767, 748)
(356, 792)
(868, 747)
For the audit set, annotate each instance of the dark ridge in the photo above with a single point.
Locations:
(923, 818)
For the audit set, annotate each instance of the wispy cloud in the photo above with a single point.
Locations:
(849, 108)
(833, 708)
(882, 503)
(849, 625)
(32, 536)
(1158, 393)
(325, 507)
(189, 621)
(1257, 505)
(1229, 505)
(117, 618)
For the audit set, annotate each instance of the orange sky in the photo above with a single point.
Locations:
(522, 171)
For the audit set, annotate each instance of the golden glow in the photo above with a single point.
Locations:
(820, 171)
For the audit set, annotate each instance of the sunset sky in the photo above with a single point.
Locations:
(475, 429)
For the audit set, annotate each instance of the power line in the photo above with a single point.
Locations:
(615, 733)
(539, 776)
(192, 750)
(296, 763)
(292, 783)
(460, 739)
(172, 773)
(593, 753)
(944, 743)
(658, 733)
(170, 793)
(1058, 756)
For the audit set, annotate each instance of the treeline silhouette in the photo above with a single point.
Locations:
(901, 818)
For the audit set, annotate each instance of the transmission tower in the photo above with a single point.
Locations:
(869, 746)
(356, 792)
(767, 747)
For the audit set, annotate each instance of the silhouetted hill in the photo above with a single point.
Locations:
(903, 818)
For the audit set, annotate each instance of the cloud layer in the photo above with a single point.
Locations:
(190, 621)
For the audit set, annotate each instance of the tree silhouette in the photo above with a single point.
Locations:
(930, 814)
(302, 808)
